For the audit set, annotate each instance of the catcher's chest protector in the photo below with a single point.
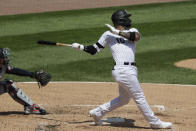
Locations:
(2, 71)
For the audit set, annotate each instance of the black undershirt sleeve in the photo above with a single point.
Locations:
(99, 45)
(129, 35)
(91, 49)
(20, 72)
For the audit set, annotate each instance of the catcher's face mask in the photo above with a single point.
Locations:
(4, 53)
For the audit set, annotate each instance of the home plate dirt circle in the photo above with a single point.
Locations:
(68, 104)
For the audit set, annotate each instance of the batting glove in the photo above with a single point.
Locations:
(78, 46)
(112, 29)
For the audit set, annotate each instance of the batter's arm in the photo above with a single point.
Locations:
(91, 49)
(130, 35)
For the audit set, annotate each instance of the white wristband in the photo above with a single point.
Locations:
(81, 47)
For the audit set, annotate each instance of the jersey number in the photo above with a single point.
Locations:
(120, 40)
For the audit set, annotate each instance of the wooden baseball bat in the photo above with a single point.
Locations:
(52, 43)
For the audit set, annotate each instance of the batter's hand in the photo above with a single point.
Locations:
(78, 46)
(112, 29)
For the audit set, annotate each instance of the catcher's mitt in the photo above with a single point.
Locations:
(42, 78)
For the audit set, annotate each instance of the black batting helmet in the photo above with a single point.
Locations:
(121, 17)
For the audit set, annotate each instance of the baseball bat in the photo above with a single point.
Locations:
(43, 42)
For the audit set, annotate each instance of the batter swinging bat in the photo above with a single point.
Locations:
(52, 43)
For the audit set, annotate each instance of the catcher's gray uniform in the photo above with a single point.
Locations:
(8, 86)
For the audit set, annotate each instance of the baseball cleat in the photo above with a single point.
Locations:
(34, 109)
(97, 119)
(162, 125)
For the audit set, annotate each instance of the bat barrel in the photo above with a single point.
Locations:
(46, 42)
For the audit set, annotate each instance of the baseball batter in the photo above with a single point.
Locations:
(8, 86)
(121, 39)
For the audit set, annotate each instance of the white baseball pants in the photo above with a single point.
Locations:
(129, 87)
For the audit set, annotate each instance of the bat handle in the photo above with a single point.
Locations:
(63, 44)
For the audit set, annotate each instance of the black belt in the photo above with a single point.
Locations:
(128, 63)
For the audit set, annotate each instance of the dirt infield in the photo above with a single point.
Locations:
(68, 105)
(189, 63)
(9, 7)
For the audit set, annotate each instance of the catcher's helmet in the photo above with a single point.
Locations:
(121, 17)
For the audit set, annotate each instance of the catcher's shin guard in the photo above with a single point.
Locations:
(18, 95)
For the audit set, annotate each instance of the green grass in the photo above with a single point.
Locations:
(168, 35)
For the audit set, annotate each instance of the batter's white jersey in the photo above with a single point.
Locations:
(122, 49)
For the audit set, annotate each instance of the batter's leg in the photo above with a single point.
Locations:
(139, 98)
(119, 101)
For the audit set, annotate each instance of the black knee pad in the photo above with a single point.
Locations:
(4, 86)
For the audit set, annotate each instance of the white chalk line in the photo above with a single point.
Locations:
(80, 105)
(159, 107)
(89, 105)
(188, 108)
(83, 82)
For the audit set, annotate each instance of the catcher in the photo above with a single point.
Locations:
(8, 86)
